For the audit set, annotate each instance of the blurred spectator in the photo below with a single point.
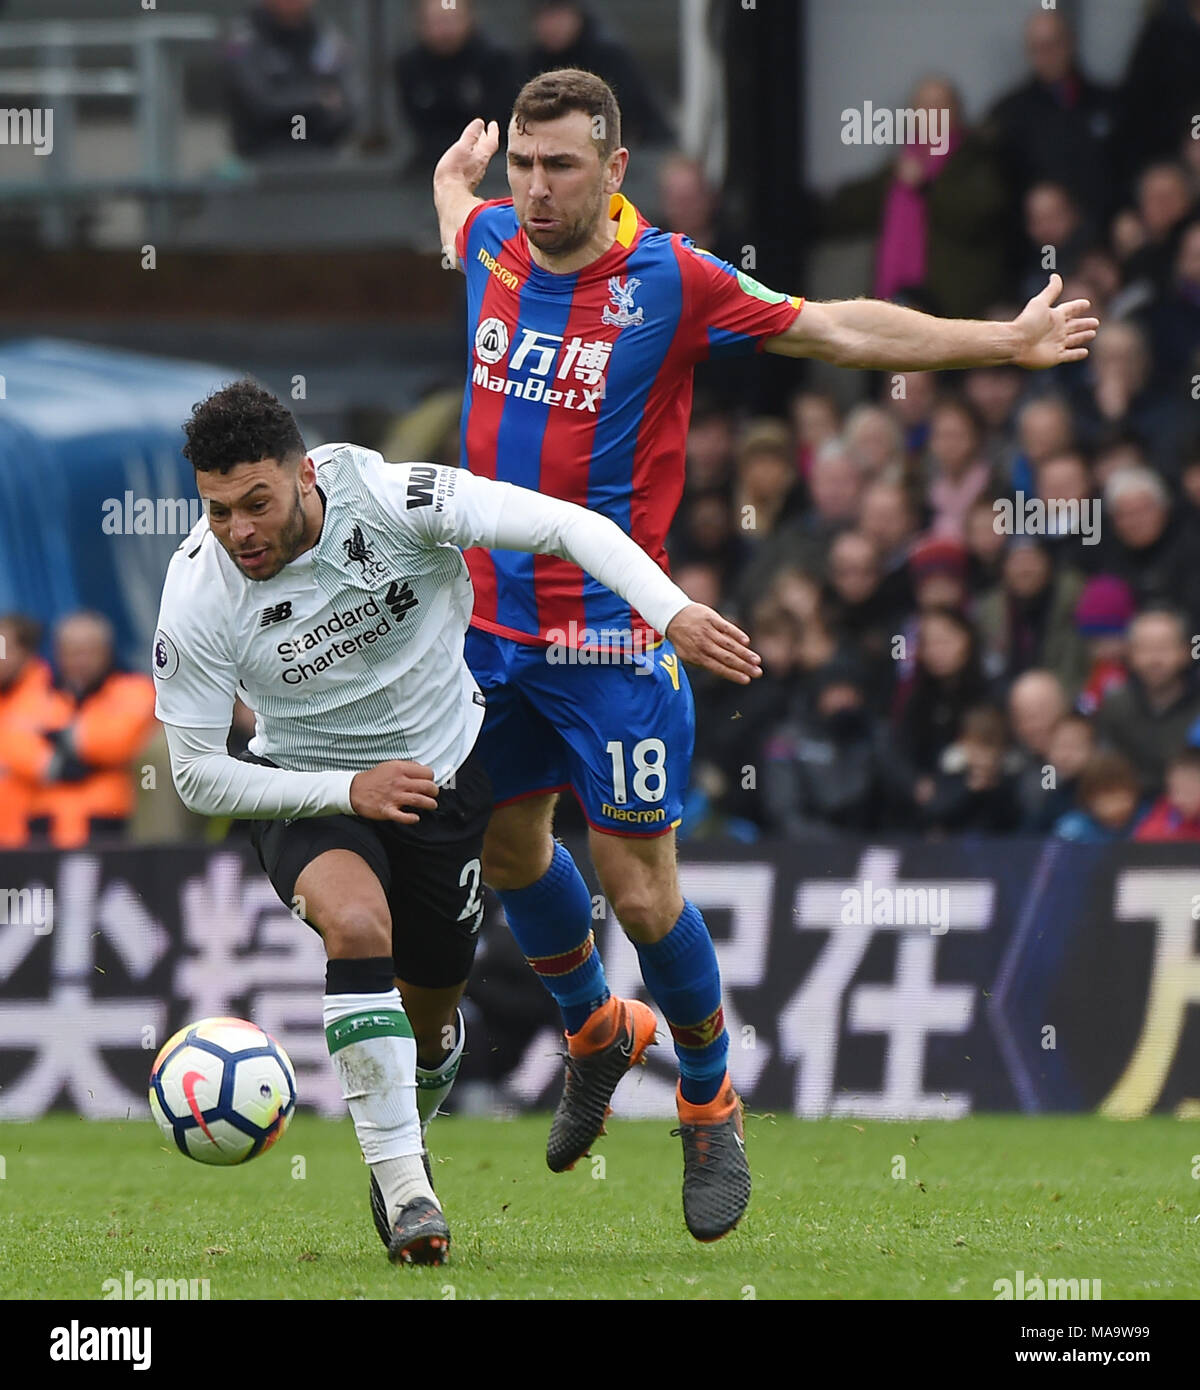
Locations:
(911, 400)
(1073, 521)
(700, 580)
(1109, 804)
(709, 445)
(873, 439)
(688, 203)
(979, 796)
(1117, 399)
(767, 491)
(937, 569)
(282, 63)
(703, 533)
(995, 392)
(860, 606)
(1148, 718)
(1028, 620)
(1176, 814)
(1071, 745)
(948, 680)
(816, 421)
(567, 35)
(1151, 549)
(958, 473)
(1044, 428)
(825, 770)
(1102, 617)
(734, 720)
(1165, 199)
(804, 539)
(938, 214)
(1036, 706)
(99, 719)
(1058, 124)
(986, 544)
(1053, 223)
(1173, 321)
(452, 74)
(888, 518)
(24, 707)
(1161, 91)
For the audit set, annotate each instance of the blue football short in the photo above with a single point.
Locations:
(619, 734)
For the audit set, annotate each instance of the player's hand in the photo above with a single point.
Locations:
(468, 158)
(703, 638)
(1048, 333)
(394, 791)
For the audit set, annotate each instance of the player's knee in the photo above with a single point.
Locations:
(642, 910)
(357, 929)
(511, 862)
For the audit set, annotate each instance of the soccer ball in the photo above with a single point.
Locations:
(223, 1090)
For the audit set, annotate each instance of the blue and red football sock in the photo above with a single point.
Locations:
(684, 980)
(551, 921)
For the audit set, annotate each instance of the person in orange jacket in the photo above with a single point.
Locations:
(99, 720)
(25, 704)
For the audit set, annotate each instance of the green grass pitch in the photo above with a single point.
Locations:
(835, 1214)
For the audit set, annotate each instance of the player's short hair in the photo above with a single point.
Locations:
(240, 423)
(552, 94)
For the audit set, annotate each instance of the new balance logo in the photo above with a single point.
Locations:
(400, 598)
(277, 613)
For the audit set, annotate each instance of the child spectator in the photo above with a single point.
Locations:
(1108, 803)
(1176, 815)
(979, 795)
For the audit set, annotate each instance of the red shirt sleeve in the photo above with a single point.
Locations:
(727, 313)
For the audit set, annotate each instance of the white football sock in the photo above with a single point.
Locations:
(375, 1057)
(434, 1083)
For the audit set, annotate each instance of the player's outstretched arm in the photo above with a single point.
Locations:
(457, 176)
(875, 334)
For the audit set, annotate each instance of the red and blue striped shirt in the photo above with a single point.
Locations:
(580, 386)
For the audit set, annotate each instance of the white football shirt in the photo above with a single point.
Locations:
(353, 653)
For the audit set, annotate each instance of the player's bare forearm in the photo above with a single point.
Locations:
(874, 334)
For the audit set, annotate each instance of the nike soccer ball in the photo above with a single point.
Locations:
(223, 1090)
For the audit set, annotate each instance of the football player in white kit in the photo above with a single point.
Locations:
(328, 590)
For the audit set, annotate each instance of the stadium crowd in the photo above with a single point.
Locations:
(975, 593)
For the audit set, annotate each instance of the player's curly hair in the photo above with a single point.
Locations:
(240, 423)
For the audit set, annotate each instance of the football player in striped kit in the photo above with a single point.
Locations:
(584, 324)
